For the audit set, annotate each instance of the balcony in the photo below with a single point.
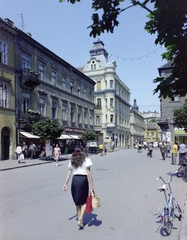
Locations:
(28, 118)
(29, 79)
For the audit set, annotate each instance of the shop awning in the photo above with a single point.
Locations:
(28, 135)
(74, 136)
(65, 136)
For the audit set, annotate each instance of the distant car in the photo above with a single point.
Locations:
(93, 147)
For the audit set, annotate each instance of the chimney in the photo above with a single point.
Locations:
(9, 22)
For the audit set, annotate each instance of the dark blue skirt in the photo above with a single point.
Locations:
(79, 189)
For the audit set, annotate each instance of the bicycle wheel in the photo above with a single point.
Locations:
(177, 209)
(167, 225)
(184, 177)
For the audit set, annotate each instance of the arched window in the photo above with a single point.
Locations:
(4, 95)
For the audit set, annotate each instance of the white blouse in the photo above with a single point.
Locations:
(82, 169)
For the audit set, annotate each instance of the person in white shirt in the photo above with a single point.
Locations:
(79, 166)
(19, 152)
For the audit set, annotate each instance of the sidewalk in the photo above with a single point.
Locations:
(13, 164)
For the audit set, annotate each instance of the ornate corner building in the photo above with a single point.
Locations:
(111, 97)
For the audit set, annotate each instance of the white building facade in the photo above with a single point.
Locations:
(111, 97)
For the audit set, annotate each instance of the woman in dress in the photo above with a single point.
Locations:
(56, 153)
(79, 166)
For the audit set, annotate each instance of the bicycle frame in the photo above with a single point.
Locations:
(168, 211)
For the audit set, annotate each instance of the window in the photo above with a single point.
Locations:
(79, 115)
(64, 112)
(111, 118)
(63, 83)
(85, 117)
(85, 93)
(175, 98)
(97, 120)
(93, 65)
(54, 109)
(42, 106)
(41, 72)
(91, 98)
(98, 85)
(91, 118)
(26, 102)
(111, 102)
(26, 61)
(152, 134)
(79, 91)
(111, 83)
(72, 87)
(72, 113)
(53, 78)
(3, 52)
(4, 95)
(99, 102)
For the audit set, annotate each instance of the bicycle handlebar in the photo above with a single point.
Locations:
(160, 177)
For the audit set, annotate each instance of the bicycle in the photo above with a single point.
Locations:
(171, 208)
(182, 171)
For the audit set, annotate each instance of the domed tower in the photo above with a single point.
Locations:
(135, 106)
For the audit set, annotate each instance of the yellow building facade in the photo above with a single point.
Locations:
(7, 91)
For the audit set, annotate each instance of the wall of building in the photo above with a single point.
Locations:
(7, 92)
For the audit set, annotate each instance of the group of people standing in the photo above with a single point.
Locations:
(23, 151)
(168, 151)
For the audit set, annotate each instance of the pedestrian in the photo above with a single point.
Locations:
(32, 149)
(168, 146)
(182, 152)
(79, 166)
(56, 153)
(139, 147)
(150, 149)
(174, 152)
(104, 150)
(101, 149)
(128, 144)
(19, 152)
(163, 149)
(25, 150)
(112, 145)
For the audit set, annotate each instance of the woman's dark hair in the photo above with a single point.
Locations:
(78, 158)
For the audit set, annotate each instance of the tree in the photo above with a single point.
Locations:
(180, 117)
(153, 120)
(47, 129)
(88, 135)
(168, 20)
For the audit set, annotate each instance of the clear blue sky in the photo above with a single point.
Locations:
(62, 28)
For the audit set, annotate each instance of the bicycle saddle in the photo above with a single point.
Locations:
(163, 188)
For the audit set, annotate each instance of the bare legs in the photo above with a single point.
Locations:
(80, 214)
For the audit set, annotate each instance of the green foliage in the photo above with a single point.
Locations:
(88, 135)
(47, 129)
(180, 117)
(168, 20)
(153, 120)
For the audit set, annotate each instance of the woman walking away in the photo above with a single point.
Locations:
(79, 165)
(57, 153)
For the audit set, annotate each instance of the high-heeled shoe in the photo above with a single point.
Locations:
(80, 224)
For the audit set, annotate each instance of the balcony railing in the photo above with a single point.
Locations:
(29, 79)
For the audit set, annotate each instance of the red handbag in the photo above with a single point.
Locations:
(89, 204)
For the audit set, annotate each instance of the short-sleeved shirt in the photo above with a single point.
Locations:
(82, 169)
